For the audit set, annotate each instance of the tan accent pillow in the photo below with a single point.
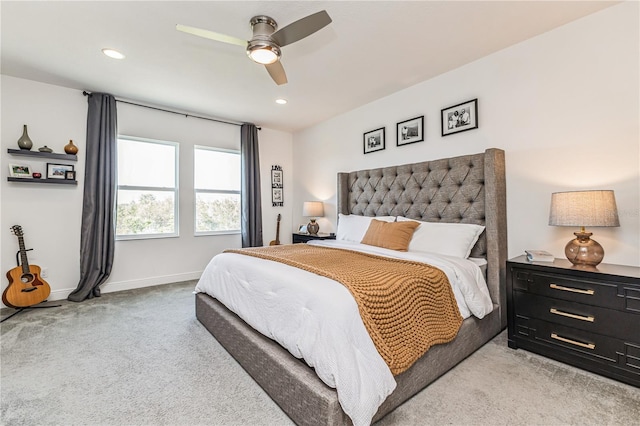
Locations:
(391, 235)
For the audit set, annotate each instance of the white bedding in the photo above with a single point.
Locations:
(317, 319)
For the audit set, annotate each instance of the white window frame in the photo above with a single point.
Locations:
(210, 191)
(175, 190)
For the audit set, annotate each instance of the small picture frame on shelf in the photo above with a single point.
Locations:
(410, 131)
(373, 140)
(70, 175)
(19, 171)
(459, 118)
(302, 229)
(58, 171)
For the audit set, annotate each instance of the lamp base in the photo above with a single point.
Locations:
(313, 227)
(583, 251)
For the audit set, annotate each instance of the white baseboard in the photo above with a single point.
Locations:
(111, 287)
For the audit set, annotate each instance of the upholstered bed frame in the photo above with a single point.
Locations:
(469, 189)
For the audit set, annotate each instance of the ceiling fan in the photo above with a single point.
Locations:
(264, 46)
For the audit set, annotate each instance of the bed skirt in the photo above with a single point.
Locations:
(296, 388)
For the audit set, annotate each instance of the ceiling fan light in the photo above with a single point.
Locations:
(264, 55)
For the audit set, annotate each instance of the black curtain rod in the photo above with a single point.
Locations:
(85, 93)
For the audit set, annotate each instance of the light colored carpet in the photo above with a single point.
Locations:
(141, 358)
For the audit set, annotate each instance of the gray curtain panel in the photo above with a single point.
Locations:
(251, 200)
(97, 239)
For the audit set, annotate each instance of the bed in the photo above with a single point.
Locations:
(466, 189)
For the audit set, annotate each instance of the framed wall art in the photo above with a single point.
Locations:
(374, 140)
(460, 118)
(410, 131)
(58, 171)
(277, 184)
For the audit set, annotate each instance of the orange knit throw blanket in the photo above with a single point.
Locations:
(406, 306)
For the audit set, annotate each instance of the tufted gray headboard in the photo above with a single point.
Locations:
(467, 189)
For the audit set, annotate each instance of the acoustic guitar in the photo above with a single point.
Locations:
(25, 288)
(276, 242)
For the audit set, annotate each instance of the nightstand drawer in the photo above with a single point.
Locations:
(586, 345)
(577, 290)
(610, 322)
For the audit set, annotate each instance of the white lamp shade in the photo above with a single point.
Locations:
(313, 209)
(584, 208)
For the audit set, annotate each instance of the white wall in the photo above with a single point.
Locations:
(51, 214)
(563, 105)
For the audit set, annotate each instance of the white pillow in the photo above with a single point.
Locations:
(450, 239)
(353, 227)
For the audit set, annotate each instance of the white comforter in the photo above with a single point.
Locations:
(317, 319)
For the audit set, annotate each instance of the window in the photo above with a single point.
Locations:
(217, 191)
(147, 189)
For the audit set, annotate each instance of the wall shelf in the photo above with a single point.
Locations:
(32, 180)
(38, 154)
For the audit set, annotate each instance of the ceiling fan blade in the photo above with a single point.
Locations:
(211, 35)
(301, 28)
(276, 71)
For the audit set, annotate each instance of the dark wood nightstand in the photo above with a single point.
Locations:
(586, 318)
(303, 238)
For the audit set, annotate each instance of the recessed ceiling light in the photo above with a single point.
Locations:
(281, 101)
(112, 53)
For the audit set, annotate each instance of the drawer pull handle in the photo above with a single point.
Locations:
(574, 316)
(573, 342)
(573, 290)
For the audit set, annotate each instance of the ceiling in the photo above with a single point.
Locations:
(370, 50)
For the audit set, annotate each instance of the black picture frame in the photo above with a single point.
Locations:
(58, 171)
(70, 175)
(373, 140)
(410, 131)
(277, 186)
(459, 118)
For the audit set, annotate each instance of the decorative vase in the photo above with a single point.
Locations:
(70, 148)
(25, 141)
(45, 149)
(313, 227)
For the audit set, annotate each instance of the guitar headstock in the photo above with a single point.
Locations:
(17, 230)
(279, 216)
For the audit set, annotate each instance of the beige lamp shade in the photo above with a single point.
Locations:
(313, 210)
(584, 208)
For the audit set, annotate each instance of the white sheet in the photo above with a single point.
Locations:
(317, 319)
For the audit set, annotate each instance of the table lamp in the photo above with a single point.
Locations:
(313, 210)
(584, 208)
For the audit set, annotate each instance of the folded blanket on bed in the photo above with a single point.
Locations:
(406, 306)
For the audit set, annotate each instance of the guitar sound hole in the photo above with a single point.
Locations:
(26, 278)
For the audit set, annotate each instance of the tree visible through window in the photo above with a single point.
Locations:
(217, 190)
(147, 189)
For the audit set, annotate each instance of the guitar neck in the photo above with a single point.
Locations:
(23, 255)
